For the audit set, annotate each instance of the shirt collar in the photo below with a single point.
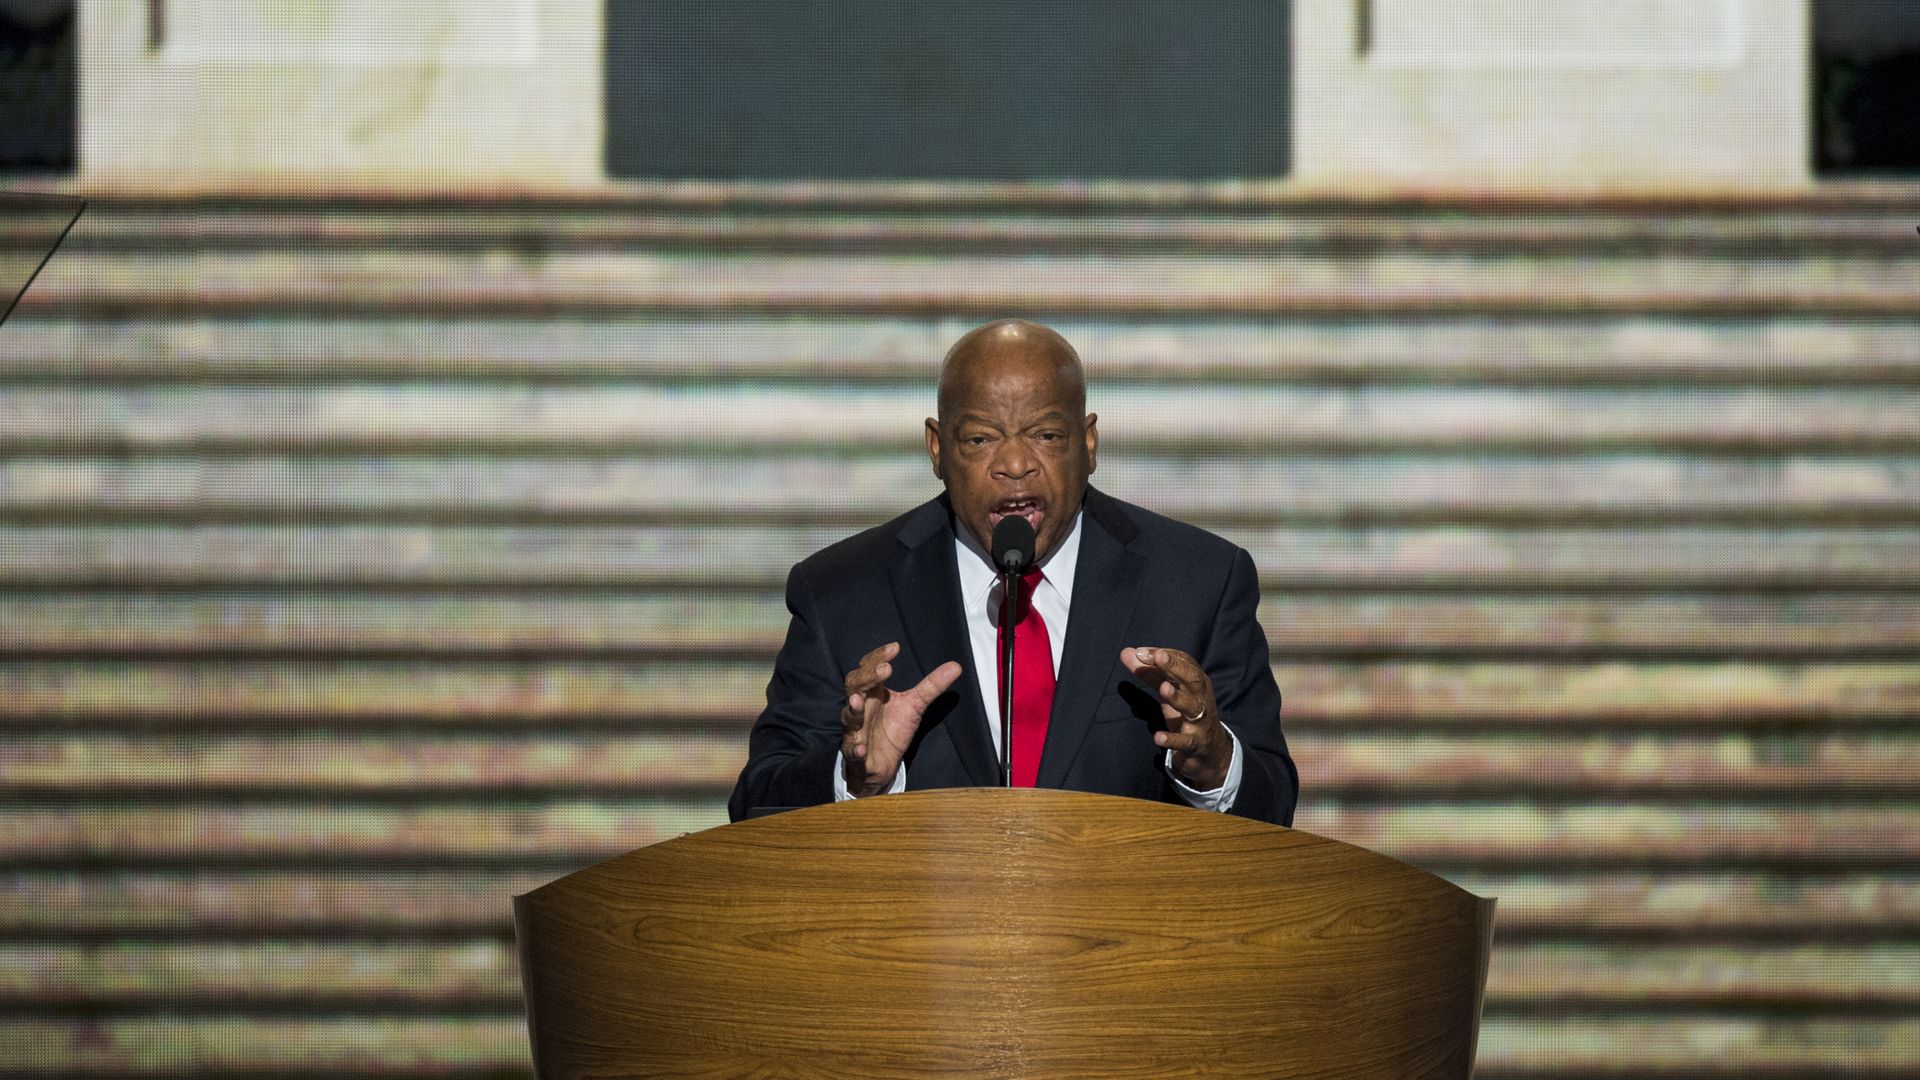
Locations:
(978, 575)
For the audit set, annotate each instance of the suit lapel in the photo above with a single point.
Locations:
(1105, 587)
(926, 589)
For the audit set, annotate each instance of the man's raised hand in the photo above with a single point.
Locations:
(877, 724)
(1202, 748)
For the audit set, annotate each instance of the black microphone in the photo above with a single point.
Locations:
(1013, 544)
(1012, 553)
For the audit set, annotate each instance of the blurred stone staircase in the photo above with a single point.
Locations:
(362, 564)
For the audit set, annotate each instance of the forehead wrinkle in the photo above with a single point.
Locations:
(1053, 415)
(1059, 391)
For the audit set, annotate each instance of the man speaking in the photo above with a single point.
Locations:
(1139, 666)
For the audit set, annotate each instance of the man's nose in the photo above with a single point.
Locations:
(1014, 461)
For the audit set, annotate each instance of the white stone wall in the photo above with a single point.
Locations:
(341, 94)
(1552, 95)
(1444, 96)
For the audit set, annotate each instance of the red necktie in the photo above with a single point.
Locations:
(1032, 684)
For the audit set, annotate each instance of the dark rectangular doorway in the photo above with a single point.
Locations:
(38, 87)
(984, 90)
(1866, 65)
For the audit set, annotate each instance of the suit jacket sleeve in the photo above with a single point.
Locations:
(795, 743)
(1239, 663)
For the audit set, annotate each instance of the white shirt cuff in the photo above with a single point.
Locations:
(841, 792)
(1220, 799)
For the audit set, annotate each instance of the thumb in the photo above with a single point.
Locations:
(936, 683)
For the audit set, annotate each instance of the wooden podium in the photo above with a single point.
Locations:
(1003, 933)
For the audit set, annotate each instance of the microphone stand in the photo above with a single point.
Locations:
(1009, 595)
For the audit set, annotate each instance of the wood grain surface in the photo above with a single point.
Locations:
(989, 933)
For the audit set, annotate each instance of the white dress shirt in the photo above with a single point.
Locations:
(1053, 599)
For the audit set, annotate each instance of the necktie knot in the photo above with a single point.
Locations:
(1029, 581)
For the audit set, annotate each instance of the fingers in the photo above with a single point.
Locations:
(866, 696)
(1162, 689)
(853, 713)
(1144, 670)
(1176, 665)
(1180, 742)
(876, 725)
(1184, 688)
(1164, 665)
(870, 665)
(1133, 661)
(1200, 745)
(936, 683)
(861, 710)
(873, 671)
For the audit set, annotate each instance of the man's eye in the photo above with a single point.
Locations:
(975, 440)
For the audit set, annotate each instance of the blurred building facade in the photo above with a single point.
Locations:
(1425, 95)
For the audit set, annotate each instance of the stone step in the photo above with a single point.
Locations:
(796, 489)
(822, 222)
(1394, 283)
(1495, 560)
(1345, 696)
(749, 422)
(752, 622)
(1545, 764)
(1766, 351)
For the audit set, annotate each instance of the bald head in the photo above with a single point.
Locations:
(1013, 435)
(1009, 346)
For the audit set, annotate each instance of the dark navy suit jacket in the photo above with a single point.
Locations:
(1142, 579)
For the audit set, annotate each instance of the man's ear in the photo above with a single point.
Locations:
(1093, 442)
(933, 448)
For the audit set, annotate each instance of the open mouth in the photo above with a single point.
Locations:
(1031, 507)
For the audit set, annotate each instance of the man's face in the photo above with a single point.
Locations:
(1013, 441)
